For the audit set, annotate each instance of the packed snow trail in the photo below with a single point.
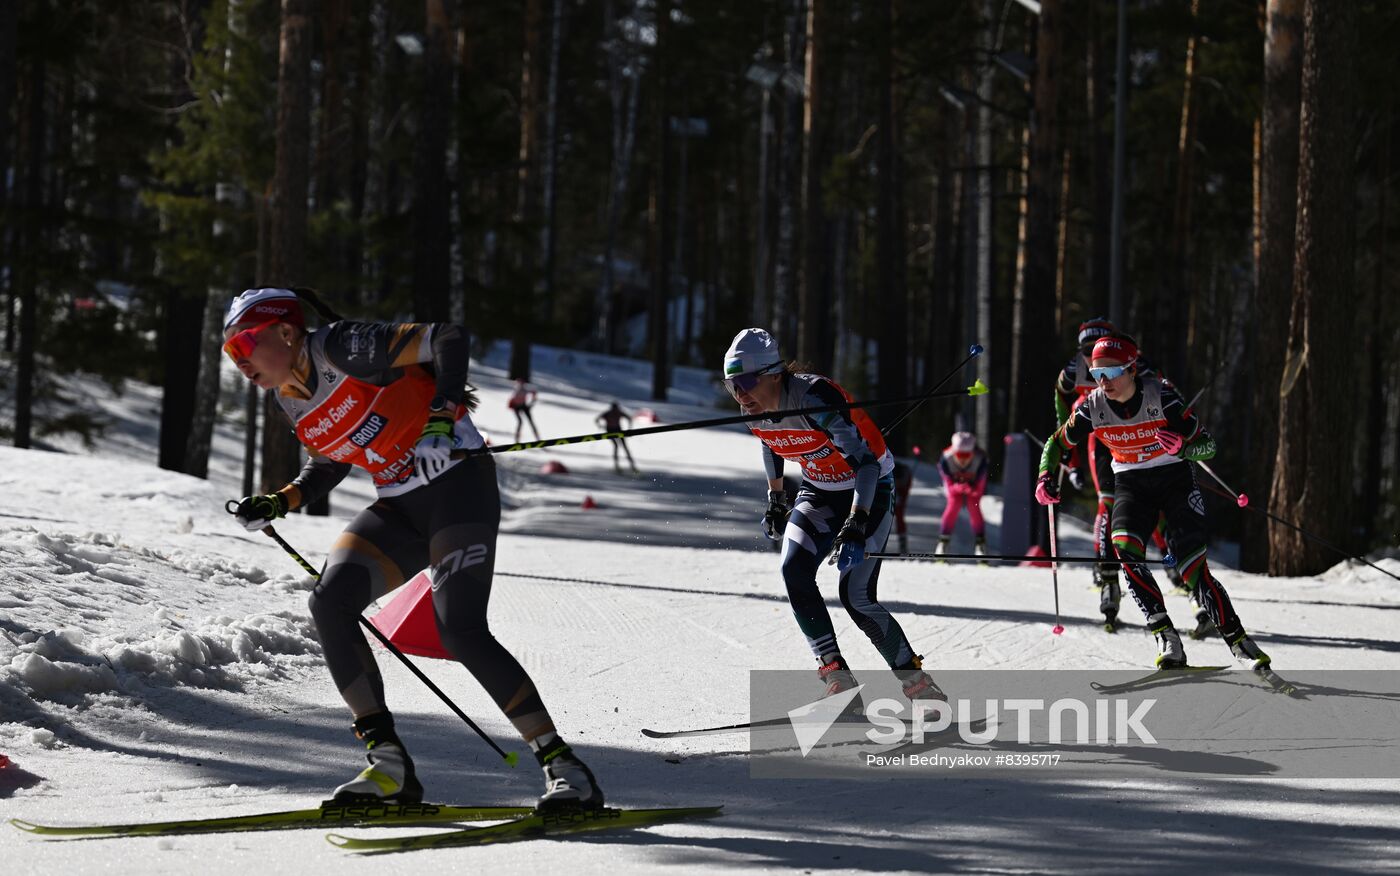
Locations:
(158, 662)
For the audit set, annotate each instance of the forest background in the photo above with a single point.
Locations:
(880, 182)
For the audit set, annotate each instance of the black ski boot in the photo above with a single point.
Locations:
(837, 677)
(1110, 594)
(917, 683)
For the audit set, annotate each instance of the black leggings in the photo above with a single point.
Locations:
(1144, 495)
(522, 416)
(450, 525)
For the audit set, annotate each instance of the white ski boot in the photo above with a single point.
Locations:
(1170, 653)
(568, 782)
(1243, 648)
(389, 776)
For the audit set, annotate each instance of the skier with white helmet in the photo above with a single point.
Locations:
(844, 504)
(963, 467)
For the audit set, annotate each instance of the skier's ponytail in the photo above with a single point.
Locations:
(307, 294)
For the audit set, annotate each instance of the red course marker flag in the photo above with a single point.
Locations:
(408, 620)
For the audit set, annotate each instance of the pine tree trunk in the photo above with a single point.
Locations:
(182, 328)
(889, 263)
(1170, 341)
(1096, 80)
(1018, 289)
(36, 126)
(658, 316)
(549, 229)
(1278, 204)
(982, 202)
(333, 140)
(762, 290)
(206, 394)
(9, 25)
(361, 94)
(814, 318)
(623, 95)
(1062, 236)
(1379, 342)
(1038, 347)
(785, 263)
(281, 455)
(182, 338)
(526, 212)
(432, 225)
(382, 179)
(1312, 476)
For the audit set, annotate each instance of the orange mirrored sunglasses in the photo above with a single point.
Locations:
(241, 345)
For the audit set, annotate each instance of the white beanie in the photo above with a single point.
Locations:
(751, 351)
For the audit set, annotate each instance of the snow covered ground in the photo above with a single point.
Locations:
(157, 662)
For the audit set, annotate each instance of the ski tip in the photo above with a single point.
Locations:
(512, 758)
(652, 734)
(339, 840)
(27, 826)
(975, 349)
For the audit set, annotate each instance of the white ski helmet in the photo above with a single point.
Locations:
(752, 351)
(264, 305)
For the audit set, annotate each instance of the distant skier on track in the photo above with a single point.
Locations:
(390, 398)
(1142, 421)
(963, 467)
(522, 400)
(845, 503)
(611, 421)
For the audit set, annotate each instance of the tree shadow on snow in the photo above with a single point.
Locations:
(932, 823)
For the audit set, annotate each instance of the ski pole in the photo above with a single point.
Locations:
(977, 388)
(1054, 564)
(1186, 411)
(972, 353)
(1243, 500)
(1240, 498)
(509, 757)
(1168, 560)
